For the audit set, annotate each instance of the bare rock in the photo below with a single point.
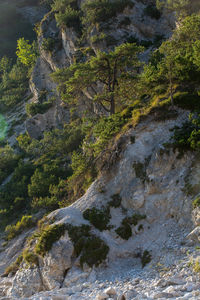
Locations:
(194, 235)
(57, 262)
(110, 291)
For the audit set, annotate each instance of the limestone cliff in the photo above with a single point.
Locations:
(148, 183)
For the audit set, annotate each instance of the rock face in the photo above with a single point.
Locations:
(150, 181)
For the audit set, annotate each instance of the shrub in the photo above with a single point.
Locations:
(14, 267)
(196, 266)
(187, 100)
(69, 18)
(196, 202)
(48, 237)
(102, 10)
(30, 258)
(116, 201)
(124, 231)
(48, 44)
(146, 258)
(134, 219)
(14, 230)
(152, 11)
(92, 250)
(38, 108)
(140, 170)
(8, 161)
(98, 217)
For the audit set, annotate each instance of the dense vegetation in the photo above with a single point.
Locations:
(56, 169)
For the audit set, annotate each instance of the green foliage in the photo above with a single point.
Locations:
(196, 202)
(77, 234)
(38, 108)
(48, 44)
(12, 231)
(91, 249)
(134, 219)
(14, 267)
(105, 69)
(27, 53)
(181, 7)
(140, 169)
(13, 83)
(116, 200)
(70, 18)
(8, 161)
(100, 218)
(48, 237)
(30, 258)
(104, 130)
(101, 11)
(146, 258)
(187, 100)
(196, 266)
(181, 137)
(14, 194)
(124, 231)
(94, 251)
(152, 11)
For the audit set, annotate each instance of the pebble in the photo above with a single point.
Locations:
(110, 291)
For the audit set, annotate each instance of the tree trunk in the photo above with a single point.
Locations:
(112, 105)
(171, 94)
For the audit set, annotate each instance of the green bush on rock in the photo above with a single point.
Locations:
(48, 237)
(98, 217)
(92, 249)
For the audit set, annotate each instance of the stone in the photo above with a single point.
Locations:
(102, 296)
(162, 295)
(194, 235)
(110, 291)
(130, 294)
(121, 297)
(26, 283)
(57, 262)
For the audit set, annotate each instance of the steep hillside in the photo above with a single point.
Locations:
(99, 167)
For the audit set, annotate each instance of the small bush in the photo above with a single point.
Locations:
(102, 10)
(69, 18)
(186, 100)
(152, 11)
(92, 250)
(30, 258)
(140, 170)
(116, 201)
(48, 237)
(48, 44)
(14, 267)
(196, 266)
(14, 230)
(146, 258)
(134, 219)
(124, 231)
(38, 108)
(98, 217)
(196, 202)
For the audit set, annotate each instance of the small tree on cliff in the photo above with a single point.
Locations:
(100, 76)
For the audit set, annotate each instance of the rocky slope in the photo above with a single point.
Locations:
(150, 182)
(150, 229)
